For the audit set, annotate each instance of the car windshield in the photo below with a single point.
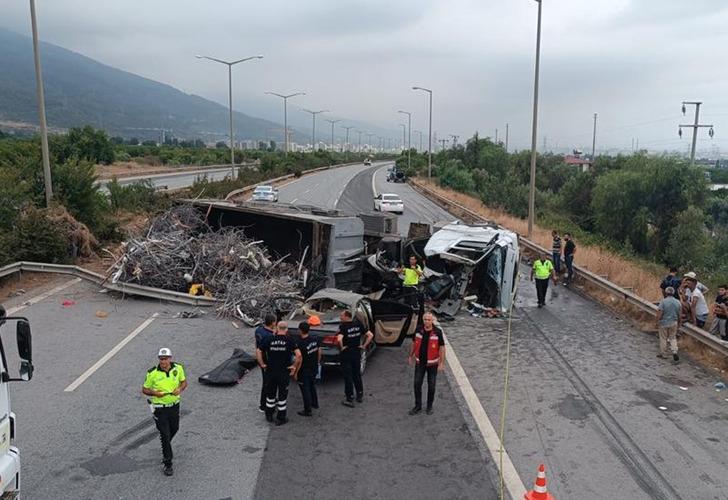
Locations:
(390, 197)
(263, 189)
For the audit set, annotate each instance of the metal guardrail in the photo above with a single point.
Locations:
(593, 279)
(101, 280)
(249, 188)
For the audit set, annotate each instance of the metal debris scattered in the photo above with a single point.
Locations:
(180, 250)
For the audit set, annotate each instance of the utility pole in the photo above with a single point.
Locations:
(313, 133)
(594, 137)
(506, 137)
(454, 140)
(285, 113)
(496, 136)
(332, 122)
(230, 65)
(532, 187)
(41, 109)
(347, 141)
(360, 133)
(695, 127)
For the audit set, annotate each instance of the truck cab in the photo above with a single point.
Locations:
(9, 453)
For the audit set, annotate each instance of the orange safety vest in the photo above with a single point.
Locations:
(433, 346)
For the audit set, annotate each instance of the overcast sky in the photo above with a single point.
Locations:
(631, 61)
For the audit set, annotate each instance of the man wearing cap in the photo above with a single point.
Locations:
(164, 384)
(274, 355)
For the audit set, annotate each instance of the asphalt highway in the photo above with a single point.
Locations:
(171, 181)
(587, 397)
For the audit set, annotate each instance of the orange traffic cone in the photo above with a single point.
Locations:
(539, 489)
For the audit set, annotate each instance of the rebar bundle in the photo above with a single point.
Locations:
(180, 249)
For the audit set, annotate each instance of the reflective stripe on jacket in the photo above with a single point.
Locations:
(433, 347)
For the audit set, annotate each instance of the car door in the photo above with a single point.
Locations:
(392, 322)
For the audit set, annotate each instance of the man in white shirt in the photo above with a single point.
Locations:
(694, 300)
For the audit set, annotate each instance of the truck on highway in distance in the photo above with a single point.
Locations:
(367, 162)
(9, 454)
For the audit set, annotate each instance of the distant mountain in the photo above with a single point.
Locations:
(80, 91)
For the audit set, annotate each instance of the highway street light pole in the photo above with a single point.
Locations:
(230, 65)
(313, 133)
(506, 137)
(532, 189)
(332, 122)
(594, 137)
(285, 112)
(409, 136)
(347, 141)
(360, 133)
(41, 109)
(404, 134)
(429, 140)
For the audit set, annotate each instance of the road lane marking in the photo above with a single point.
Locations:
(43, 296)
(80, 380)
(511, 479)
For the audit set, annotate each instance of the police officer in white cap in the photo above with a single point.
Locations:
(164, 384)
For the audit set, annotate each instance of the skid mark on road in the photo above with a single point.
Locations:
(43, 296)
(80, 380)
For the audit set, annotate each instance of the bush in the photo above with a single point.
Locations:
(140, 196)
(35, 238)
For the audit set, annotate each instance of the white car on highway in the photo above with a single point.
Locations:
(265, 193)
(388, 202)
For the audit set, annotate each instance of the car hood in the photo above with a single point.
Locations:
(464, 243)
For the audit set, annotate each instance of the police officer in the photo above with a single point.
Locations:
(412, 275)
(542, 270)
(274, 356)
(349, 340)
(310, 359)
(267, 329)
(428, 352)
(164, 384)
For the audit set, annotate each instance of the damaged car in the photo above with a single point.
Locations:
(390, 322)
(478, 262)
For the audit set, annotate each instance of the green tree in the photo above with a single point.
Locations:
(689, 244)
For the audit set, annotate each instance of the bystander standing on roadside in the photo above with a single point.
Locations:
(671, 280)
(694, 301)
(668, 315)
(428, 352)
(569, 253)
(267, 329)
(720, 313)
(556, 251)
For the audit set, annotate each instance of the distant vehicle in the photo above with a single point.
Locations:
(395, 175)
(390, 322)
(9, 454)
(389, 203)
(265, 193)
(367, 162)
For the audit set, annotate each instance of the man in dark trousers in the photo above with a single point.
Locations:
(163, 384)
(267, 329)
(542, 270)
(274, 355)
(310, 348)
(556, 251)
(428, 352)
(349, 340)
(569, 253)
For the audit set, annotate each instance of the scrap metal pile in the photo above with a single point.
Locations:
(181, 251)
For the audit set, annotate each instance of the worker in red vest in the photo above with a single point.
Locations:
(428, 351)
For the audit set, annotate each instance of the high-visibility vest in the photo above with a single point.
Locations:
(411, 277)
(542, 269)
(433, 346)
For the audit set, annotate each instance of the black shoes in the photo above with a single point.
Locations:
(269, 418)
(168, 470)
(360, 398)
(348, 402)
(415, 410)
(428, 411)
(304, 413)
(281, 422)
(675, 358)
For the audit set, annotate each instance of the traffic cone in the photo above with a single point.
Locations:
(539, 489)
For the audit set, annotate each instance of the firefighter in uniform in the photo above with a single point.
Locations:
(310, 359)
(428, 352)
(349, 340)
(267, 329)
(274, 356)
(164, 384)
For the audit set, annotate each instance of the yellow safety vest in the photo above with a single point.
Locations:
(542, 269)
(159, 380)
(411, 278)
